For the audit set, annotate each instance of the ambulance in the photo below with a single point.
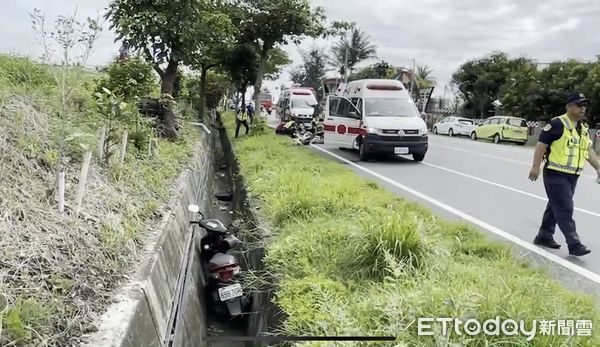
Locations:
(375, 117)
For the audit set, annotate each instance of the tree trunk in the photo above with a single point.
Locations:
(203, 72)
(166, 87)
(259, 78)
(242, 98)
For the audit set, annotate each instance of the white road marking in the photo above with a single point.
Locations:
(504, 187)
(550, 256)
(484, 155)
(497, 158)
(481, 144)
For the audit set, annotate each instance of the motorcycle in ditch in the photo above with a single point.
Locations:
(223, 291)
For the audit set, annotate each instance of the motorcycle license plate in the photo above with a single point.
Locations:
(230, 292)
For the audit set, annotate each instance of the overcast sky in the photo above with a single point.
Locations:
(439, 33)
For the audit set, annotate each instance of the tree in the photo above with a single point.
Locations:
(381, 70)
(349, 51)
(268, 23)
(523, 94)
(68, 33)
(423, 75)
(312, 71)
(168, 32)
(277, 60)
(216, 87)
(480, 80)
(240, 62)
(591, 88)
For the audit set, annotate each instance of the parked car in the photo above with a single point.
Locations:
(502, 129)
(454, 126)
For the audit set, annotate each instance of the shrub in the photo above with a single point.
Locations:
(130, 79)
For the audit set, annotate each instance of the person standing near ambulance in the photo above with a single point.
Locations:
(565, 145)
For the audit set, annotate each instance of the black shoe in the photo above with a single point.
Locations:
(550, 243)
(579, 250)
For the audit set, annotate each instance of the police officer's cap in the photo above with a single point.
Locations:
(577, 98)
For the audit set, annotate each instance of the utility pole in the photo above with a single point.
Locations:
(346, 66)
(412, 73)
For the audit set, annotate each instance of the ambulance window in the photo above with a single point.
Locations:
(344, 108)
(333, 104)
(358, 105)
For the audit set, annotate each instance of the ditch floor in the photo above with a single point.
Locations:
(224, 211)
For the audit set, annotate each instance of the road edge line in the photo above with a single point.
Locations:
(520, 242)
(500, 185)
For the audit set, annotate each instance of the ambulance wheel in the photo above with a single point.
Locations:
(362, 152)
(418, 156)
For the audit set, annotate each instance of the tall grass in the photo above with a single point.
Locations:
(354, 259)
(20, 71)
(68, 266)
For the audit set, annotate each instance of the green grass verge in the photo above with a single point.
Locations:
(58, 271)
(354, 259)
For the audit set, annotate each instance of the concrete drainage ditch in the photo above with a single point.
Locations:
(163, 304)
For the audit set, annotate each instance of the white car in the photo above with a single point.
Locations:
(454, 126)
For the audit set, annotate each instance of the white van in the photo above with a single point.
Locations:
(375, 116)
(296, 104)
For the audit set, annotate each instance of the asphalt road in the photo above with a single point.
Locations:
(487, 185)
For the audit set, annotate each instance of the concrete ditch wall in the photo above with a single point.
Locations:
(142, 308)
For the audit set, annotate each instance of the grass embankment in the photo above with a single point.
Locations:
(354, 259)
(58, 271)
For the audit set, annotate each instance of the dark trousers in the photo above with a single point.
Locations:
(238, 124)
(560, 188)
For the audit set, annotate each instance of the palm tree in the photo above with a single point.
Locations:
(423, 75)
(424, 72)
(357, 48)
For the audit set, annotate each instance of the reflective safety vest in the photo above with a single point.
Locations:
(319, 128)
(569, 153)
(288, 124)
(242, 116)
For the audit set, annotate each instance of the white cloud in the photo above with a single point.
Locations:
(439, 33)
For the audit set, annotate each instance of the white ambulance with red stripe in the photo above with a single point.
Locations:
(375, 116)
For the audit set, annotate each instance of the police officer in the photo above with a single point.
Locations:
(565, 146)
(241, 119)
